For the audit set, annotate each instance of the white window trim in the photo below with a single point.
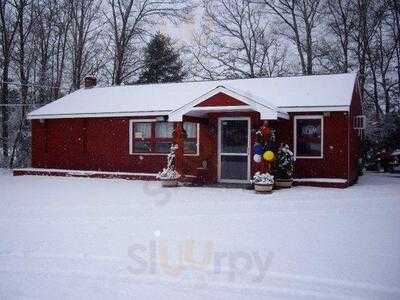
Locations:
(308, 117)
(156, 154)
(131, 122)
(197, 141)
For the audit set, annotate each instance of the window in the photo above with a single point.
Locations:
(190, 144)
(308, 136)
(359, 124)
(151, 137)
(141, 137)
(163, 136)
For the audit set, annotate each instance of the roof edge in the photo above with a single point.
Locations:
(99, 115)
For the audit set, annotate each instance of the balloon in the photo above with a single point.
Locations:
(269, 156)
(257, 158)
(259, 149)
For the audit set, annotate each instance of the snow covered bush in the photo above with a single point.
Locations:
(168, 174)
(285, 163)
(263, 178)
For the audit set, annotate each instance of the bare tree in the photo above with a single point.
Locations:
(59, 47)
(301, 18)
(335, 49)
(382, 63)
(236, 41)
(24, 59)
(394, 25)
(85, 29)
(8, 30)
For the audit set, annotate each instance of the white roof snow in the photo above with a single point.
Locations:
(304, 93)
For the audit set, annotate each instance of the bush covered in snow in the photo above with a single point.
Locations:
(285, 163)
(168, 174)
(262, 178)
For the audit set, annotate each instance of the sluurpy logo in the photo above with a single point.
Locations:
(159, 258)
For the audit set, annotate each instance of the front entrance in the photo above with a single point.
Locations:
(234, 149)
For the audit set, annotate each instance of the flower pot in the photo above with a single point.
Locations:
(263, 188)
(284, 183)
(169, 182)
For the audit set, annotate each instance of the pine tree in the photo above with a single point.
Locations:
(162, 61)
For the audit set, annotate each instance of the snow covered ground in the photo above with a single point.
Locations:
(74, 238)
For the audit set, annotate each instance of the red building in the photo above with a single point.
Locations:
(127, 130)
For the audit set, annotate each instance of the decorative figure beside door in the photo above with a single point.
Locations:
(169, 176)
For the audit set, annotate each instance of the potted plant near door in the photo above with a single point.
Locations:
(284, 167)
(169, 176)
(263, 182)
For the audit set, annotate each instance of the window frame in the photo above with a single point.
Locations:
(308, 117)
(131, 139)
(154, 139)
(161, 140)
(197, 140)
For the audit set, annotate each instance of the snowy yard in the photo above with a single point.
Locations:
(71, 238)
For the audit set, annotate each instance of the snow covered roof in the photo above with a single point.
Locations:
(302, 93)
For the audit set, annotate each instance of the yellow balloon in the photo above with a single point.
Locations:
(269, 156)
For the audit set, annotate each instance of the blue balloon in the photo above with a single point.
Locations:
(259, 149)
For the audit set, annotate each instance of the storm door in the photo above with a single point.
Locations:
(233, 154)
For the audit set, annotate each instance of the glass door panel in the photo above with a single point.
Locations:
(234, 139)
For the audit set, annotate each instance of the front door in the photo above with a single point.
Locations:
(233, 149)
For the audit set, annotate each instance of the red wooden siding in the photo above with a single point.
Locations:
(102, 146)
(355, 138)
(221, 99)
(334, 161)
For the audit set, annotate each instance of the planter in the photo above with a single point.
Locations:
(284, 183)
(263, 188)
(169, 182)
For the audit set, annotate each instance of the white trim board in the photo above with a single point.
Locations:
(267, 111)
(100, 115)
(321, 180)
(280, 114)
(315, 108)
(83, 172)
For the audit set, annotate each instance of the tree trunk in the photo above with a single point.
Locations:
(4, 109)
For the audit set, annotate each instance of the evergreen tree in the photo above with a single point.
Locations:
(162, 61)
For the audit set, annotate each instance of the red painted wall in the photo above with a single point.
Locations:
(221, 99)
(355, 144)
(102, 144)
(334, 161)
